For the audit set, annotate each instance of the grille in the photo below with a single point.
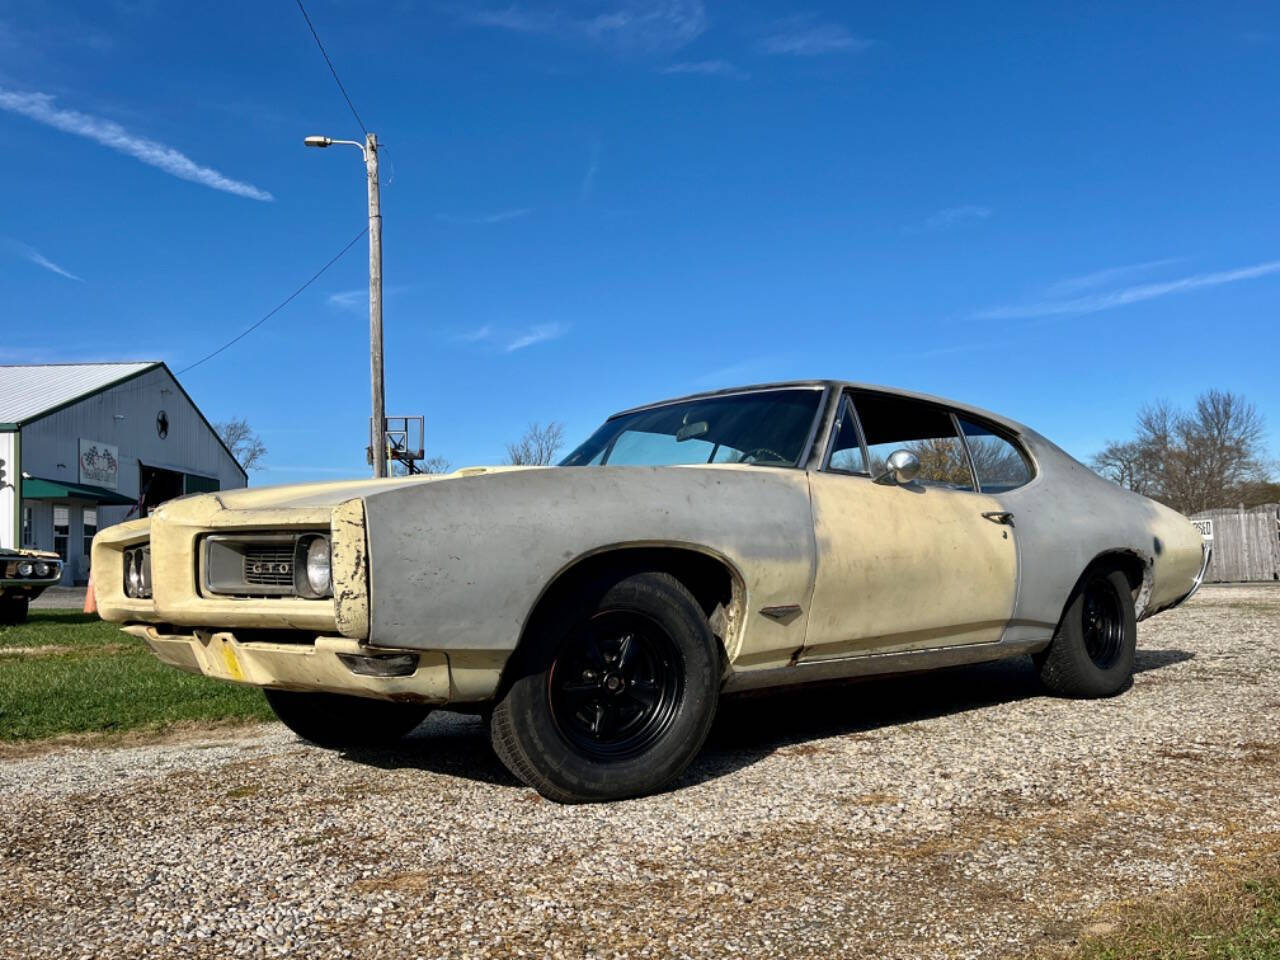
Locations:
(268, 564)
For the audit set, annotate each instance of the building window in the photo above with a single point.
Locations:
(61, 529)
(28, 528)
(90, 528)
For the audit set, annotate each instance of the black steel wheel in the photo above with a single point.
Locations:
(612, 692)
(615, 685)
(1092, 653)
(1102, 622)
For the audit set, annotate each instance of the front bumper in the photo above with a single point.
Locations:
(311, 667)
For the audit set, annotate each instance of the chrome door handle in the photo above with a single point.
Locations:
(999, 516)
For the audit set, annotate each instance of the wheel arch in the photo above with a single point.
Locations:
(715, 582)
(1136, 567)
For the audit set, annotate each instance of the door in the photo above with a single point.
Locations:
(911, 566)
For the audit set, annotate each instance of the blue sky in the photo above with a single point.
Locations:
(1060, 212)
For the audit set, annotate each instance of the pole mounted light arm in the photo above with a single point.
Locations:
(329, 141)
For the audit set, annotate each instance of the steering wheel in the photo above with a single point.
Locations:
(751, 455)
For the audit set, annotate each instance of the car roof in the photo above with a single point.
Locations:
(978, 412)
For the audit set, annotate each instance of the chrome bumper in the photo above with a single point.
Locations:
(1206, 549)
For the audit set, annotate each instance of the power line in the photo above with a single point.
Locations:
(332, 68)
(283, 303)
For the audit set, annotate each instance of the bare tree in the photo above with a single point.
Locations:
(1209, 456)
(538, 446)
(245, 445)
(436, 464)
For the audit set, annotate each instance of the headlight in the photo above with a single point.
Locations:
(137, 572)
(42, 569)
(24, 568)
(133, 576)
(312, 569)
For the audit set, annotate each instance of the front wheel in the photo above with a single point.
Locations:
(614, 694)
(334, 720)
(1092, 653)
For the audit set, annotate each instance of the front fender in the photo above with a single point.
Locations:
(459, 564)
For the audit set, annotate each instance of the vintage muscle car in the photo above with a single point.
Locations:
(596, 611)
(24, 575)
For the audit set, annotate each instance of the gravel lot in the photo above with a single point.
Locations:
(950, 815)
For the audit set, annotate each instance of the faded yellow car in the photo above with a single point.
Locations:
(596, 611)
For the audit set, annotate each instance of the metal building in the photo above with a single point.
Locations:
(87, 445)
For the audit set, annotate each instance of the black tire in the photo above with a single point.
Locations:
(613, 694)
(334, 720)
(1092, 653)
(13, 610)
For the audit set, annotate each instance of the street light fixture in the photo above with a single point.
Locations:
(378, 424)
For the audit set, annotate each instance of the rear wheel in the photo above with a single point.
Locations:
(1092, 653)
(334, 720)
(13, 610)
(614, 694)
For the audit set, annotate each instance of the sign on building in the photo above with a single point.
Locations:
(99, 464)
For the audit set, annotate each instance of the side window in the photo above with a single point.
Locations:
(846, 450)
(999, 464)
(896, 423)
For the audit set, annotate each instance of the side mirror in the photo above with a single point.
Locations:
(901, 468)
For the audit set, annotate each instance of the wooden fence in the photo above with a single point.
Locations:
(1246, 543)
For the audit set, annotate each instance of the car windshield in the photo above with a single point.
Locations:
(766, 427)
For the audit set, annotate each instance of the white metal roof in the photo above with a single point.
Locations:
(28, 390)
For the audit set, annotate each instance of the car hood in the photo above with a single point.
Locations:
(326, 494)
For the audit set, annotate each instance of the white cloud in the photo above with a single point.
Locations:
(350, 299)
(502, 216)
(708, 68)
(40, 260)
(803, 36)
(1100, 278)
(1119, 298)
(953, 215)
(539, 333)
(475, 336)
(645, 26)
(40, 107)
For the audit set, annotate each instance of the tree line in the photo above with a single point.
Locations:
(1210, 455)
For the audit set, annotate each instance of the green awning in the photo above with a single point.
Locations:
(36, 488)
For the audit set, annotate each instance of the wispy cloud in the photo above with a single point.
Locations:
(639, 26)
(951, 216)
(40, 107)
(476, 335)
(1101, 278)
(588, 184)
(350, 299)
(357, 300)
(805, 36)
(1123, 297)
(484, 219)
(539, 333)
(708, 68)
(40, 260)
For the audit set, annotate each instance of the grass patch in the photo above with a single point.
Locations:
(96, 679)
(1237, 921)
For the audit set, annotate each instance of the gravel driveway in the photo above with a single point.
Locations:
(950, 815)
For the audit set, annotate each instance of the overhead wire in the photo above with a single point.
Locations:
(280, 306)
(287, 300)
(332, 69)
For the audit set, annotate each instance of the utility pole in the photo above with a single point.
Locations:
(378, 422)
